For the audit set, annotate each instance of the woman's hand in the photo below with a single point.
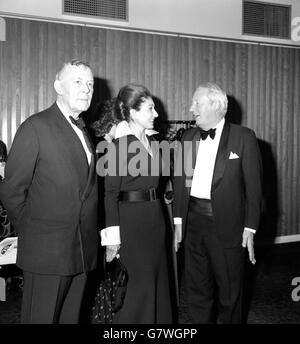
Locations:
(111, 252)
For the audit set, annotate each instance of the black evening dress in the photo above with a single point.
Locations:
(143, 234)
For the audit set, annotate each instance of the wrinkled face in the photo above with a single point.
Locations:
(75, 89)
(111, 134)
(203, 111)
(145, 116)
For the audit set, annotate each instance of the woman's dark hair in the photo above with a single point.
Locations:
(107, 118)
(130, 96)
(3, 151)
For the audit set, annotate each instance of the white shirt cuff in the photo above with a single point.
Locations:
(177, 221)
(178, 234)
(110, 236)
(2, 166)
(250, 230)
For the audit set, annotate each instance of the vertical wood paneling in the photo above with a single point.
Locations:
(264, 81)
(295, 165)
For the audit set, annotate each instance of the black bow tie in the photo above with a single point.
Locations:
(205, 133)
(78, 122)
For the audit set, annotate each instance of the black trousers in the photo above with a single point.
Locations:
(212, 275)
(51, 299)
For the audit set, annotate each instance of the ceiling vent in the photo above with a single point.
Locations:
(101, 9)
(266, 19)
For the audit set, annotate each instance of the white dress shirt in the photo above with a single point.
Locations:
(205, 163)
(78, 132)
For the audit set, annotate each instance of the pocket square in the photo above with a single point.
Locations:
(233, 156)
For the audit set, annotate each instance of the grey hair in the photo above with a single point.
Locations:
(77, 63)
(216, 97)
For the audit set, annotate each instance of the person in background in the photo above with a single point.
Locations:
(3, 151)
(135, 226)
(216, 209)
(5, 226)
(3, 158)
(50, 193)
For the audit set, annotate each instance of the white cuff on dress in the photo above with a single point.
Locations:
(110, 236)
(177, 220)
(250, 230)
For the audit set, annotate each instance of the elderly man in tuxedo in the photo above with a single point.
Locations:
(216, 209)
(50, 193)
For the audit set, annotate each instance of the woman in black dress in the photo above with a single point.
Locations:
(135, 226)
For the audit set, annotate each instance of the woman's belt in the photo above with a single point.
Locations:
(139, 196)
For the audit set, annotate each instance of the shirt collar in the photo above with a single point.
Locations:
(65, 113)
(123, 129)
(219, 127)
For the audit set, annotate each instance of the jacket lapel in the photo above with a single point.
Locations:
(196, 141)
(222, 157)
(71, 149)
(92, 174)
(190, 151)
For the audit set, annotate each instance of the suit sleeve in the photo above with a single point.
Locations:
(110, 235)
(252, 171)
(177, 181)
(19, 171)
(177, 192)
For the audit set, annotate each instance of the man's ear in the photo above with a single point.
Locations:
(58, 87)
(217, 107)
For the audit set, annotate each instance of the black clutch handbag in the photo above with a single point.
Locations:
(111, 293)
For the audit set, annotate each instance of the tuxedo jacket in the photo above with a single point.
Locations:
(50, 193)
(236, 190)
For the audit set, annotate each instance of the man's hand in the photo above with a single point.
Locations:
(177, 236)
(248, 240)
(111, 252)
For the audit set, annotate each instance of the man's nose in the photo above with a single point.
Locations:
(87, 88)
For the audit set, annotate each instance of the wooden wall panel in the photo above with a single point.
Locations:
(263, 83)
